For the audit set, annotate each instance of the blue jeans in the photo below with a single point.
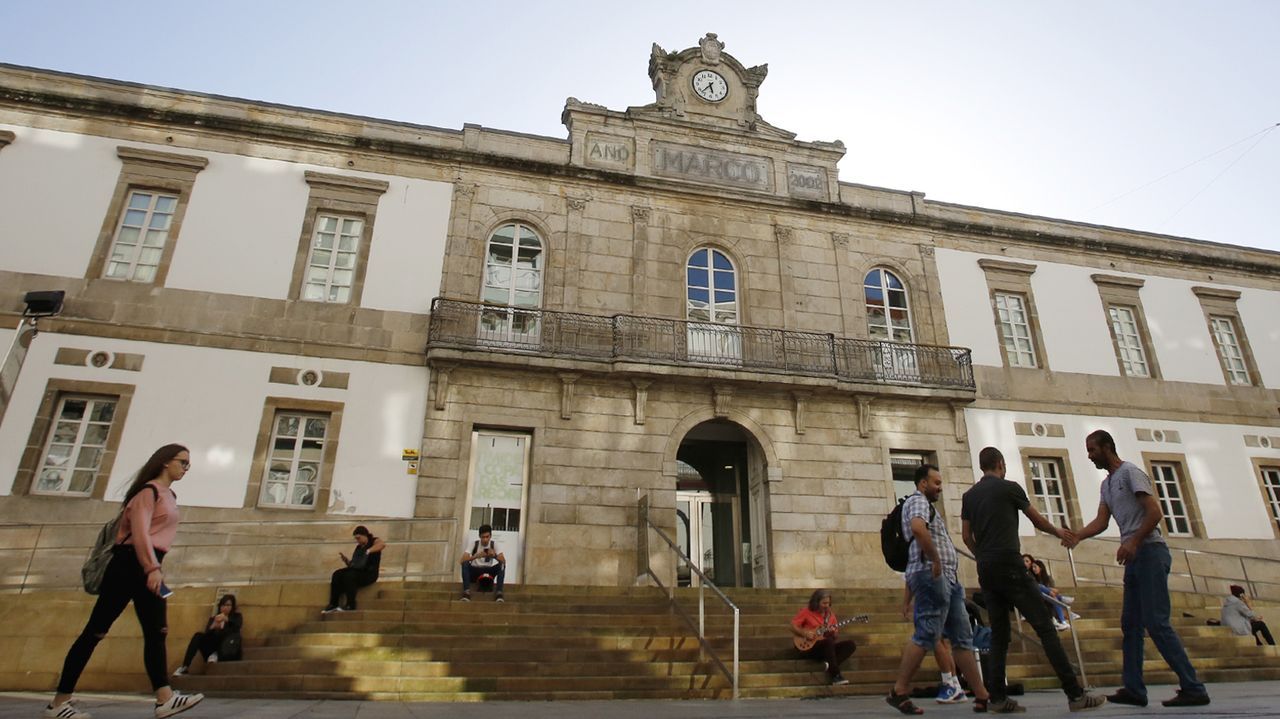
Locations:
(1146, 608)
(1053, 606)
(471, 574)
(939, 612)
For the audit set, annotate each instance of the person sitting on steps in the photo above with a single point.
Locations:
(484, 558)
(816, 622)
(360, 570)
(222, 629)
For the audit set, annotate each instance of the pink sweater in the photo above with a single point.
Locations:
(150, 524)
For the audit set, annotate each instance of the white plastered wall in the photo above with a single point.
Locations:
(1074, 322)
(241, 229)
(212, 401)
(1217, 463)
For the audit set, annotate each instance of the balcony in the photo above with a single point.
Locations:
(467, 326)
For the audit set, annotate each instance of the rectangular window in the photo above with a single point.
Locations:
(77, 443)
(140, 238)
(331, 266)
(903, 466)
(1228, 341)
(1015, 328)
(295, 459)
(1271, 488)
(1124, 325)
(1172, 498)
(1048, 490)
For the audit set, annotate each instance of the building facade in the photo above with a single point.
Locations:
(352, 320)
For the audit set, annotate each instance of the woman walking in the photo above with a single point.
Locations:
(146, 531)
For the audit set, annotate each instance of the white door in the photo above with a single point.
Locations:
(695, 535)
(757, 515)
(497, 492)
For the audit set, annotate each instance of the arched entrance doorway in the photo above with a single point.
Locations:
(721, 505)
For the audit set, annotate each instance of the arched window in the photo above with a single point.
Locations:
(711, 287)
(513, 264)
(888, 317)
(513, 267)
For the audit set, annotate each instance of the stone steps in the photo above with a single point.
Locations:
(417, 642)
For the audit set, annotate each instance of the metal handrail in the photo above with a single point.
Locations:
(661, 340)
(196, 536)
(1075, 638)
(705, 581)
(1250, 583)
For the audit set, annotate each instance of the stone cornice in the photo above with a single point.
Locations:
(1215, 293)
(144, 156)
(1118, 281)
(346, 182)
(1018, 268)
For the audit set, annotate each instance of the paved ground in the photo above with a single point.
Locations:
(1249, 699)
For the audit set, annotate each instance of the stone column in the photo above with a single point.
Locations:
(786, 276)
(463, 261)
(850, 287)
(573, 253)
(639, 258)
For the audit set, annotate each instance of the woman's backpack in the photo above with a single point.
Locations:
(229, 649)
(95, 565)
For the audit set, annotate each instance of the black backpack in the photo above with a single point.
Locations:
(896, 547)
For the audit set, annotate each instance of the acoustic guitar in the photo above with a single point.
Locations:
(804, 644)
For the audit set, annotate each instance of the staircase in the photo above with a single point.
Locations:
(416, 642)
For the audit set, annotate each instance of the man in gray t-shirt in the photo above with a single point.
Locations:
(1129, 496)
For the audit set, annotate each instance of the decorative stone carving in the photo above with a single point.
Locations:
(783, 234)
(957, 419)
(840, 240)
(642, 397)
(463, 189)
(864, 415)
(722, 395)
(711, 48)
(567, 382)
(441, 373)
(576, 204)
(801, 398)
(641, 214)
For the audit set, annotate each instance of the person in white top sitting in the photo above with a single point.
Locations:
(1238, 614)
(484, 558)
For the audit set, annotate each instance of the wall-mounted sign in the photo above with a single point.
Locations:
(410, 455)
(703, 165)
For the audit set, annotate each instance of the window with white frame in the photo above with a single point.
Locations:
(1271, 487)
(1015, 328)
(1228, 342)
(331, 266)
(1172, 498)
(295, 459)
(76, 445)
(1133, 358)
(140, 238)
(902, 465)
(513, 278)
(888, 316)
(1048, 490)
(711, 288)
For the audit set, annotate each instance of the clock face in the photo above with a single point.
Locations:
(710, 85)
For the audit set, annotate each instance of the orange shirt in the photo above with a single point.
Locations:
(807, 619)
(150, 522)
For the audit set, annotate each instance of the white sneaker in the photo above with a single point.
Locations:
(1061, 626)
(1074, 616)
(177, 704)
(180, 671)
(212, 659)
(1065, 599)
(65, 710)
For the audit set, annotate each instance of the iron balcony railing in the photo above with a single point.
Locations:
(471, 325)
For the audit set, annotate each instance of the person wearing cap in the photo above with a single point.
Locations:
(1237, 613)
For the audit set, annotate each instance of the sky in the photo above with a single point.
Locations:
(1159, 116)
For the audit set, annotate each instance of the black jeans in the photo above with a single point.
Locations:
(124, 582)
(204, 642)
(1260, 632)
(832, 652)
(346, 581)
(1007, 586)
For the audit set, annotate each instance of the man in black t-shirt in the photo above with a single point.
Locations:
(989, 511)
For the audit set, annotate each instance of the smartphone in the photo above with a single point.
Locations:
(165, 591)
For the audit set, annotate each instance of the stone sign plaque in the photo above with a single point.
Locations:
(806, 181)
(607, 151)
(713, 166)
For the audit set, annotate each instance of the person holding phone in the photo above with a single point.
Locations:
(359, 570)
(484, 558)
(147, 529)
(225, 624)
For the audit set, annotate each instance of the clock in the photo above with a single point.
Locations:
(710, 85)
